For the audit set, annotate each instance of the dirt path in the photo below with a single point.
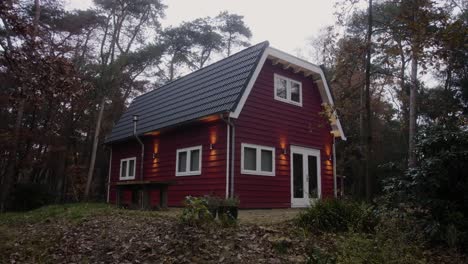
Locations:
(257, 216)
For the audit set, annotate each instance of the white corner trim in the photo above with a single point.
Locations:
(270, 51)
(187, 171)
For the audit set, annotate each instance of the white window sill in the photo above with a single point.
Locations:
(258, 173)
(192, 173)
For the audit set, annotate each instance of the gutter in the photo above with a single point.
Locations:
(135, 121)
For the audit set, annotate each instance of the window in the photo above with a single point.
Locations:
(288, 90)
(127, 168)
(258, 160)
(188, 161)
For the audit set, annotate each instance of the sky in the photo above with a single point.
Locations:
(286, 24)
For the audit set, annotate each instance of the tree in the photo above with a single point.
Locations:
(125, 23)
(206, 40)
(369, 181)
(233, 30)
(42, 87)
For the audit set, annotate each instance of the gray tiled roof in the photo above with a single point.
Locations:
(214, 89)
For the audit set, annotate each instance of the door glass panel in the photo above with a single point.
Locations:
(267, 160)
(250, 158)
(182, 162)
(195, 160)
(298, 176)
(312, 164)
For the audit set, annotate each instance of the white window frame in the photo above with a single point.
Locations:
(289, 81)
(187, 171)
(128, 168)
(258, 170)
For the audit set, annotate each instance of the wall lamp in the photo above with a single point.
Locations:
(284, 151)
(155, 155)
(212, 146)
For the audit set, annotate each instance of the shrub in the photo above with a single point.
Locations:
(389, 244)
(316, 255)
(436, 189)
(28, 196)
(195, 211)
(338, 216)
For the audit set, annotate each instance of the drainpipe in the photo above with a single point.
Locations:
(135, 121)
(230, 157)
(334, 168)
(228, 142)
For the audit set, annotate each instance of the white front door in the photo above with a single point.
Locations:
(305, 176)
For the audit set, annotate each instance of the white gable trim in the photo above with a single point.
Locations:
(250, 85)
(301, 65)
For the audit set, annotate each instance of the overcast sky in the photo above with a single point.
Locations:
(287, 24)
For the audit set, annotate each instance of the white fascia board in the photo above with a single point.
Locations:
(283, 56)
(250, 85)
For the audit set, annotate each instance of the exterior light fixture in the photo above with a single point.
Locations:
(155, 155)
(211, 146)
(285, 151)
(330, 158)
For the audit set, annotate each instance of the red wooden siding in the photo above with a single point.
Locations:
(269, 122)
(213, 174)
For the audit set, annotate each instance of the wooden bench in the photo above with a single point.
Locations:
(143, 188)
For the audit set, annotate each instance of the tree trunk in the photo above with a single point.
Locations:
(369, 180)
(94, 150)
(11, 169)
(37, 14)
(412, 111)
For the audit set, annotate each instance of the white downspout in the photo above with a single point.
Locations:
(228, 140)
(334, 168)
(232, 159)
(109, 176)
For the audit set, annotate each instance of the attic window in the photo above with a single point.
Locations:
(188, 161)
(288, 90)
(127, 169)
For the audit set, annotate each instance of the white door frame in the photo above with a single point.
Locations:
(305, 201)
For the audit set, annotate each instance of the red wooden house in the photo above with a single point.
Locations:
(250, 125)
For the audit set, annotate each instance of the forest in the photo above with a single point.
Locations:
(397, 69)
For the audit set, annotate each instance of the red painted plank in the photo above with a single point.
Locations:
(266, 121)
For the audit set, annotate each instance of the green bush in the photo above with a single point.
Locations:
(316, 255)
(338, 216)
(390, 243)
(195, 211)
(436, 189)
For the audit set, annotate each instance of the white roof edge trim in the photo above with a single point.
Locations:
(270, 51)
(250, 85)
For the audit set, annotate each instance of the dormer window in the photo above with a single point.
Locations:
(288, 90)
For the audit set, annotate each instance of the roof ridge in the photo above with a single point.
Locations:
(204, 68)
(209, 90)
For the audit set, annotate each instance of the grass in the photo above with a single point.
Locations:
(72, 212)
